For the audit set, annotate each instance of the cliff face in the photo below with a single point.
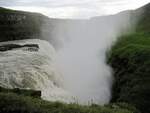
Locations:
(16, 25)
(130, 59)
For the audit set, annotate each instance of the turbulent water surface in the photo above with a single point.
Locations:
(32, 68)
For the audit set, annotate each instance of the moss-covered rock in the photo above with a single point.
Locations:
(7, 47)
(24, 92)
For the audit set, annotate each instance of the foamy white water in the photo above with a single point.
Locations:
(27, 69)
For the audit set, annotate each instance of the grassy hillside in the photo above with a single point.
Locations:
(130, 59)
(14, 103)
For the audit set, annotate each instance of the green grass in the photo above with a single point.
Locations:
(130, 59)
(13, 103)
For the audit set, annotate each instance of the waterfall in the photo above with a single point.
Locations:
(31, 68)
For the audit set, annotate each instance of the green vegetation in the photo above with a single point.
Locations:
(130, 59)
(29, 101)
(13, 103)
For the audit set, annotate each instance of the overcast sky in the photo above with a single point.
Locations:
(73, 8)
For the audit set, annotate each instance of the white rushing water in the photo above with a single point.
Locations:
(29, 69)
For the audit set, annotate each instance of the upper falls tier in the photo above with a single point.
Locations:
(29, 64)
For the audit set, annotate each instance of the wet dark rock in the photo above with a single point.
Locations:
(30, 47)
(24, 92)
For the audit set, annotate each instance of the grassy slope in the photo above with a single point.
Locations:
(28, 101)
(130, 59)
(13, 103)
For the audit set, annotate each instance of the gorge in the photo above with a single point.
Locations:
(71, 65)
